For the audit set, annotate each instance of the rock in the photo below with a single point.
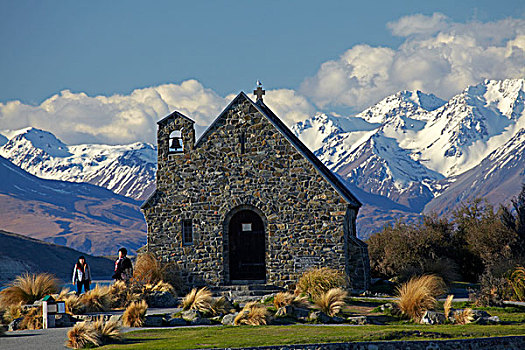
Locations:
(161, 299)
(337, 319)
(488, 320)
(228, 319)
(319, 317)
(390, 309)
(64, 320)
(300, 313)
(15, 324)
(478, 314)
(200, 321)
(190, 315)
(154, 321)
(433, 317)
(216, 319)
(357, 320)
(284, 311)
(176, 322)
(116, 318)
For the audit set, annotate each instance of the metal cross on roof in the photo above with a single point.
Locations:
(259, 92)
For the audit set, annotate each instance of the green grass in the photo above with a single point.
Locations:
(224, 337)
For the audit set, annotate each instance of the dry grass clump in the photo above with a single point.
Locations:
(517, 282)
(28, 288)
(149, 270)
(200, 300)
(317, 281)
(82, 335)
(160, 286)
(447, 305)
(253, 314)
(12, 312)
(135, 314)
(108, 332)
(93, 334)
(283, 299)
(332, 302)
(419, 295)
(463, 316)
(32, 319)
(97, 299)
(222, 306)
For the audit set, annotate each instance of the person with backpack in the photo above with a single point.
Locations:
(123, 266)
(81, 275)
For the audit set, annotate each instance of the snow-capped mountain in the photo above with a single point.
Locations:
(411, 147)
(78, 215)
(128, 170)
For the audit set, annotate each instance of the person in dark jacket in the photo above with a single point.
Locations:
(123, 266)
(81, 275)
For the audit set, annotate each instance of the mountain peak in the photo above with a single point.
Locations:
(37, 139)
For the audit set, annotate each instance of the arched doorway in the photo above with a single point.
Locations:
(246, 246)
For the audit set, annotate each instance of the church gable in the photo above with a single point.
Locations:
(249, 202)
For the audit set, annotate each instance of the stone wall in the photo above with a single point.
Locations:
(307, 223)
(495, 343)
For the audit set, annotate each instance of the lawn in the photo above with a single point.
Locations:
(225, 337)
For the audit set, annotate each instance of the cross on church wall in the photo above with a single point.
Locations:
(259, 92)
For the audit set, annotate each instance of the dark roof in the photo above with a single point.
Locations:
(175, 113)
(332, 178)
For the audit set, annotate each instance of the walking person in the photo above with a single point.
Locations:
(123, 266)
(81, 275)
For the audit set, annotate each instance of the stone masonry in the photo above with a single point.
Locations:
(307, 222)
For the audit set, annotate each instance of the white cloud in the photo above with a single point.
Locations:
(78, 118)
(437, 56)
(418, 24)
(119, 119)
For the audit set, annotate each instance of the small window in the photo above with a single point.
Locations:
(175, 143)
(242, 141)
(187, 232)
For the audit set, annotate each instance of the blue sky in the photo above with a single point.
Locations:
(106, 71)
(108, 47)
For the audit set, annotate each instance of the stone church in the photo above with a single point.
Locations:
(249, 203)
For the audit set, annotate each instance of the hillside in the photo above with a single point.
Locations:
(19, 254)
(85, 217)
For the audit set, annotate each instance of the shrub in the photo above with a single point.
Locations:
(332, 302)
(200, 300)
(32, 319)
(253, 314)
(97, 299)
(82, 335)
(135, 314)
(317, 281)
(517, 282)
(419, 295)
(108, 332)
(28, 288)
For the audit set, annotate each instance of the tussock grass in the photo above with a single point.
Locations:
(12, 312)
(447, 306)
(332, 302)
(135, 314)
(108, 332)
(200, 300)
(160, 286)
(464, 316)
(97, 299)
(32, 319)
(317, 281)
(28, 288)
(119, 294)
(149, 270)
(81, 336)
(222, 306)
(517, 282)
(283, 299)
(419, 295)
(253, 314)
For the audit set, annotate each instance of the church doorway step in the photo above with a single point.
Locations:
(246, 247)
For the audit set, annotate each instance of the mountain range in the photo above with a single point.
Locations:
(410, 153)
